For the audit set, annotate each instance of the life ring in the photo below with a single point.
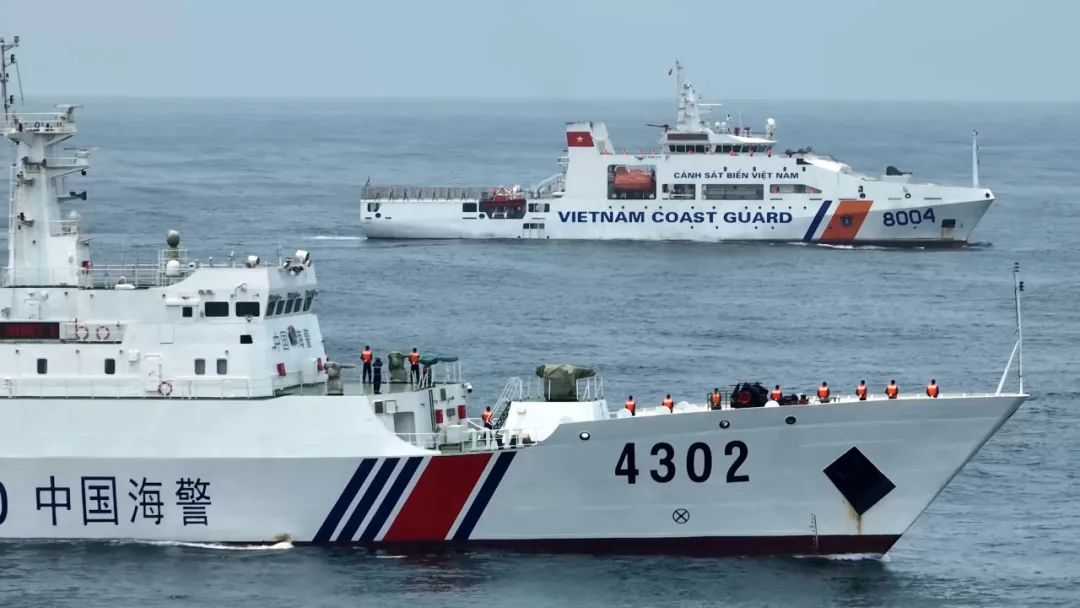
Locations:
(164, 388)
(82, 332)
(102, 333)
(744, 397)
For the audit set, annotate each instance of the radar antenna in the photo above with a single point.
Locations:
(666, 127)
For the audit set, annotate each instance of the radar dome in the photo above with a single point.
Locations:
(172, 267)
(173, 238)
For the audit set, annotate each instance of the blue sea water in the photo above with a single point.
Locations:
(256, 176)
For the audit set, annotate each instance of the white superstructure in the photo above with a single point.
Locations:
(705, 182)
(194, 402)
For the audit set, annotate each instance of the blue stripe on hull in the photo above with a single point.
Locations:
(368, 499)
(391, 499)
(484, 496)
(820, 215)
(344, 500)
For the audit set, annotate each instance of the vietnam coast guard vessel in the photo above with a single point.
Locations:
(718, 182)
(183, 401)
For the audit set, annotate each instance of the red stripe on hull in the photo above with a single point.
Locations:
(707, 546)
(438, 497)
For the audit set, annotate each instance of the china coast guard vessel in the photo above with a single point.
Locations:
(705, 182)
(180, 401)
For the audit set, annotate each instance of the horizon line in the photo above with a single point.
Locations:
(489, 99)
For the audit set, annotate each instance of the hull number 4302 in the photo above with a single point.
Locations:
(697, 463)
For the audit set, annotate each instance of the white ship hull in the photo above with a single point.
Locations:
(325, 470)
(810, 221)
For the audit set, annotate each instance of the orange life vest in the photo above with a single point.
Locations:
(776, 394)
(669, 403)
(823, 392)
(414, 358)
(366, 356)
(486, 416)
(860, 392)
(932, 390)
(630, 405)
(892, 391)
(715, 398)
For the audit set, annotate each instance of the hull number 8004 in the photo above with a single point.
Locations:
(696, 464)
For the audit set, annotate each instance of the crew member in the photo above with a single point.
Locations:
(823, 392)
(486, 417)
(892, 391)
(366, 358)
(631, 405)
(776, 394)
(714, 399)
(860, 391)
(376, 377)
(669, 403)
(932, 389)
(414, 366)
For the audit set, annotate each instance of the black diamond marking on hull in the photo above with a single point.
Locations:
(861, 483)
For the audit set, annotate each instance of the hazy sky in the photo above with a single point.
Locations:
(779, 49)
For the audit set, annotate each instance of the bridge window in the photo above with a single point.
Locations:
(307, 301)
(200, 367)
(679, 192)
(217, 309)
(290, 305)
(793, 189)
(42, 366)
(271, 302)
(222, 367)
(280, 307)
(110, 367)
(244, 309)
(468, 207)
(734, 192)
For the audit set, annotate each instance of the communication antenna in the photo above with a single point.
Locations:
(5, 61)
(975, 160)
(1018, 348)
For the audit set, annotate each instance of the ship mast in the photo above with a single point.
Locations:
(9, 100)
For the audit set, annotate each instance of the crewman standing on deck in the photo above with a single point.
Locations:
(823, 392)
(414, 366)
(631, 405)
(669, 403)
(860, 391)
(776, 394)
(892, 391)
(932, 389)
(376, 378)
(365, 356)
(486, 417)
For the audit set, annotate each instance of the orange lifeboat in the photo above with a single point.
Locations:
(628, 180)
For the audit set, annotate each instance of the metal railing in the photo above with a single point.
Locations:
(42, 122)
(397, 192)
(428, 441)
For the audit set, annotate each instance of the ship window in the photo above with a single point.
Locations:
(244, 309)
(468, 207)
(270, 303)
(793, 189)
(200, 367)
(42, 366)
(307, 301)
(280, 307)
(733, 192)
(671, 148)
(222, 367)
(110, 366)
(289, 305)
(217, 309)
(699, 149)
(245, 338)
(187, 312)
(680, 192)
